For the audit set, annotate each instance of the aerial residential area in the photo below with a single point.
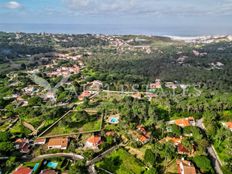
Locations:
(114, 104)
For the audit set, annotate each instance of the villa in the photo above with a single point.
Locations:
(96, 85)
(174, 140)
(156, 85)
(184, 122)
(40, 141)
(228, 125)
(141, 134)
(22, 170)
(137, 95)
(22, 144)
(141, 129)
(143, 139)
(182, 150)
(170, 85)
(84, 94)
(58, 143)
(185, 167)
(93, 142)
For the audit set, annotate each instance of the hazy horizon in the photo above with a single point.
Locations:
(150, 17)
(113, 29)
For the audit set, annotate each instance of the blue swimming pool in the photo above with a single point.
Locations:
(114, 120)
(35, 167)
(52, 165)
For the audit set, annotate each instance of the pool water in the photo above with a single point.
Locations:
(52, 165)
(114, 120)
(35, 167)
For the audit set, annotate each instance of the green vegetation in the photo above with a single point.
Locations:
(203, 163)
(121, 162)
(200, 72)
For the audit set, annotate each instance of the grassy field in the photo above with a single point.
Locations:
(67, 127)
(121, 162)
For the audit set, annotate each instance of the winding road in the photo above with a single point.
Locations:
(211, 151)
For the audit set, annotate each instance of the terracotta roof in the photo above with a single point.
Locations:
(21, 140)
(63, 142)
(23, 145)
(184, 121)
(95, 140)
(185, 167)
(174, 140)
(22, 170)
(182, 149)
(143, 139)
(229, 125)
(40, 140)
(84, 94)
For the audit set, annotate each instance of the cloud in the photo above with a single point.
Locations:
(13, 5)
(99, 7)
(149, 7)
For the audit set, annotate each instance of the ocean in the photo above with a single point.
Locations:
(113, 29)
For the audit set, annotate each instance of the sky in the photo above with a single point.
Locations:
(205, 14)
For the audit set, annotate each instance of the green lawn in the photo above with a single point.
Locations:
(121, 162)
(67, 127)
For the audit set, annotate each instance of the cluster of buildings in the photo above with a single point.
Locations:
(64, 71)
(141, 135)
(62, 143)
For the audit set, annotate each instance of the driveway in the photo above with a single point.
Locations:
(67, 155)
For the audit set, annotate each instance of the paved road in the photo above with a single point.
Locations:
(215, 159)
(91, 169)
(66, 155)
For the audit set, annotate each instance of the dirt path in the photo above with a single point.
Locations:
(29, 126)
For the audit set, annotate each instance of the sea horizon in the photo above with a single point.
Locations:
(113, 29)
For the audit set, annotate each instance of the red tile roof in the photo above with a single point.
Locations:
(62, 142)
(95, 140)
(182, 150)
(143, 139)
(229, 125)
(23, 145)
(185, 167)
(40, 140)
(84, 94)
(22, 170)
(184, 122)
(173, 140)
